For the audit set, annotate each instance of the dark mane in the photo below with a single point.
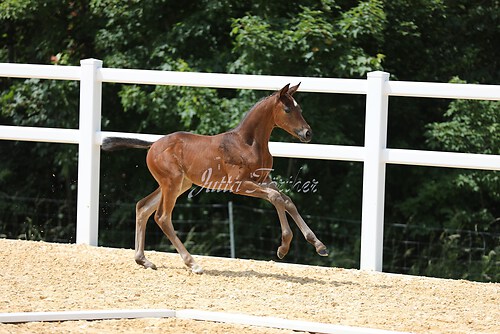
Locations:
(255, 106)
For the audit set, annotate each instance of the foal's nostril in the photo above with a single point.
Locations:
(305, 135)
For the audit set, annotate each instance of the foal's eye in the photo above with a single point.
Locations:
(287, 110)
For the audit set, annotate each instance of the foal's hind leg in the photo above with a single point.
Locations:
(286, 231)
(171, 189)
(144, 208)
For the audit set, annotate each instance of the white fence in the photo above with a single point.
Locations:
(374, 154)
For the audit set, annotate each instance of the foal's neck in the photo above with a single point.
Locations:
(258, 124)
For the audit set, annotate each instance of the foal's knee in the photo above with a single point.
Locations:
(288, 203)
(276, 199)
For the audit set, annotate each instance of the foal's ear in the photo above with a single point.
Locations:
(284, 90)
(293, 89)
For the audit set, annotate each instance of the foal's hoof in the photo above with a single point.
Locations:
(146, 264)
(281, 253)
(322, 252)
(197, 269)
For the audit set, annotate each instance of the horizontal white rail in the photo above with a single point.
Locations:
(20, 317)
(317, 151)
(280, 323)
(280, 149)
(442, 159)
(189, 314)
(237, 81)
(40, 71)
(443, 90)
(277, 149)
(49, 135)
(261, 82)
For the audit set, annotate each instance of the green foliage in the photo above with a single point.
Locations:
(471, 126)
(474, 127)
(310, 40)
(44, 103)
(200, 110)
(17, 9)
(368, 19)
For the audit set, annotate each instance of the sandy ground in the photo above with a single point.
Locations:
(38, 276)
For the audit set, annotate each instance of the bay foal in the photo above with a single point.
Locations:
(238, 159)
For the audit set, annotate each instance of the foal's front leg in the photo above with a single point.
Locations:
(304, 228)
(283, 204)
(306, 231)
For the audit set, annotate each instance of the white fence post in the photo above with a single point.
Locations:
(89, 153)
(372, 221)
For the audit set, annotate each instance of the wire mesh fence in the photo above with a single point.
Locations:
(207, 229)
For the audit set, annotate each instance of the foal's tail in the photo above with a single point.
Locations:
(116, 143)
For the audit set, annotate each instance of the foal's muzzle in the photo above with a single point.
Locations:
(305, 135)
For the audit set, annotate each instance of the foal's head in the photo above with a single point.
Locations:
(288, 114)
